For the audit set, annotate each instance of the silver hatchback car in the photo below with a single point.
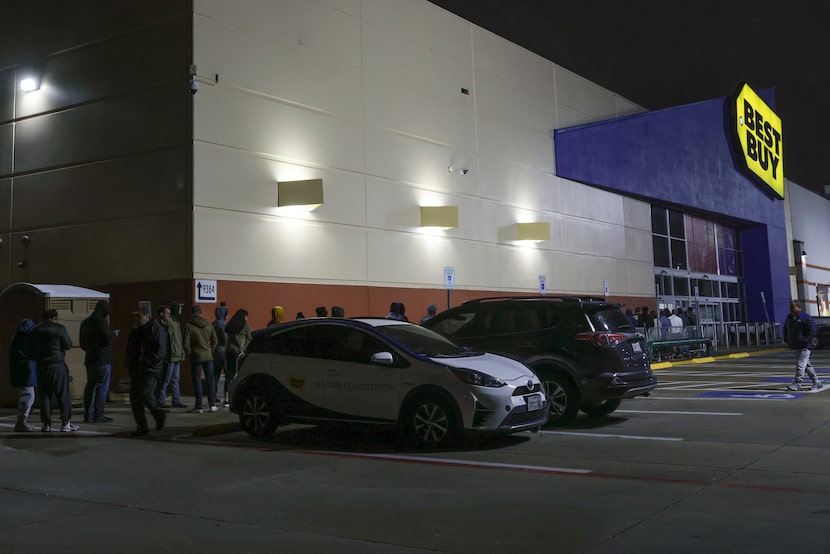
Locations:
(381, 372)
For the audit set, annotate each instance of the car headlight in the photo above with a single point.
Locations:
(472, 377)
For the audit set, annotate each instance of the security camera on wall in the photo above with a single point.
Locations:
(194, 86)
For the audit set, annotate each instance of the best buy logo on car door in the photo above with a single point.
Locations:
(759, 139)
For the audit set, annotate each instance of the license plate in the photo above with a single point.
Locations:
(534, 403)
(636, 346)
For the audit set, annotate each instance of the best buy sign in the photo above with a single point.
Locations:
(760, 139)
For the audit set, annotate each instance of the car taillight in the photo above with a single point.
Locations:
(603, 339)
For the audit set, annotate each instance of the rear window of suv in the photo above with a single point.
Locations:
(611, 320)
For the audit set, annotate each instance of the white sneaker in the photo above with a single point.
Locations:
(794, 386)
(214, 409)
(69, 428)
(817, 385)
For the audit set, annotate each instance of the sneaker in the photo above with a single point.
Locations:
(23, 427)
(195, 411)
(46, 428)
(214, 409)
(818, 385)
(794, 386)
(226, 404)
(104, 419)
(140, 432)
(160, 423)
(69, 428)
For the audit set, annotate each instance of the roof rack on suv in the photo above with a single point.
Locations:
(539, 297)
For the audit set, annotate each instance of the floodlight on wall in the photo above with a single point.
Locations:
(533, 232)
(441, 217)
(305, 195)
(29, 84)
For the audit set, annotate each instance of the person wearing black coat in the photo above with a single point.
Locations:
(96, 341)
(50, 341)
(146, 352)
(23, 373)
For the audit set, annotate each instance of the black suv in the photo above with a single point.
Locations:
(585, 351)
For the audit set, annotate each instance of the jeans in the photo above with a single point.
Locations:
(96, 391)
(803, 364)
(196, 369)
(219, 363)
(172, 372)
(24, 403)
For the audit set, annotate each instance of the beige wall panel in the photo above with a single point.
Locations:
(505, 100)
(626, 107)
(8, 86)
(583, 95)
(239, 181)
(591, 203)
(414, 110)
(323, 32)
(396, 207)
(638, 246)
(6, 148)
(567, 116)
(262, 125)
(403, 259)
(5, 208)
(149, 120)
(518, 185)
(520, 266)
(147, 248)
(288, 72)
(637, 214)
(422, 23)
(387, 54)
(513, 63)
(409, 160)
(120, 188)
(231, 245)
(501, 139)
(351, 7)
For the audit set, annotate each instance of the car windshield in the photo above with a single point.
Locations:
(425, 342)
(611, 320)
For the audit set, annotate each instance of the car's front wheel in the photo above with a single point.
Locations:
(431, 422)
(601, 408)
(259, 413)
(562, 399)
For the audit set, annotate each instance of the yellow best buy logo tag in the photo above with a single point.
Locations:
(760, 138)
(297, 383)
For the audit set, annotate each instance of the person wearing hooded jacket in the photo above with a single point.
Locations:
(175, 356)
(219, 361)
(96, 341)
(200, 341)
(49, 344)
(277, 316)
(146, 352)
(23, 374)
(238, 337)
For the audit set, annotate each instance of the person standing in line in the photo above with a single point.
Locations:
(23, 373)
(277, 316)
(175, 355)
(96, 342)
(800, 334)
(665, 323)
(200, 341)
(338, 311)
(239, 336)
(146, 352)
(321, 311)
(431, 309)
(219, 361)
(50, 341)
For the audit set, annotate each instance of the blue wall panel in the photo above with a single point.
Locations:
(684, 156)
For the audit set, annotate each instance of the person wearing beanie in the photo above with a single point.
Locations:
(147, 346)
(277, 316)
(200, 341)
(23, 373)
(175, 355)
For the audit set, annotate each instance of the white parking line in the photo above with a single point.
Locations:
(679, 413)
(453, 462)
(606, 436)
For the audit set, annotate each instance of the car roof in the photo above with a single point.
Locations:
(579, 300)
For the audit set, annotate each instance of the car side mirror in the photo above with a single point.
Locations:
(382, 358)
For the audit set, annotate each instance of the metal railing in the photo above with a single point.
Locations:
(724, 335)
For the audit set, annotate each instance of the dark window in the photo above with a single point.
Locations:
(676, 225)
(659, 224)
(678, 254)
(661, 251)
(461, 323)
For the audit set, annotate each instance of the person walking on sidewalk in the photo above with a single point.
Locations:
(96, 341)
(199, 343)
(800, 334)
(146, 351)
(50, 341)
(23, 373)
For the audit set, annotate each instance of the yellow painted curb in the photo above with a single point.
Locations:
(705, 360)
(218, 429)
(661, 365)
(739, 355)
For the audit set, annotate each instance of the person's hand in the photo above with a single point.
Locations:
(116, 332)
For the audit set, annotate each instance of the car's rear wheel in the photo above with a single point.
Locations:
(431, 422)
(562, 399)
(601, 408)
(259, 412)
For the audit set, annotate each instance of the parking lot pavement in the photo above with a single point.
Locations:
(178, 420)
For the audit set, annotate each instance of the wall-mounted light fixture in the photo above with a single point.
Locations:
(29, 83)
(306, 195)
(442, 217)
(533, 232)
(457, 170)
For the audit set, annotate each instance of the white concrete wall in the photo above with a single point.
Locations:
(366, 94)
(809, 215)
